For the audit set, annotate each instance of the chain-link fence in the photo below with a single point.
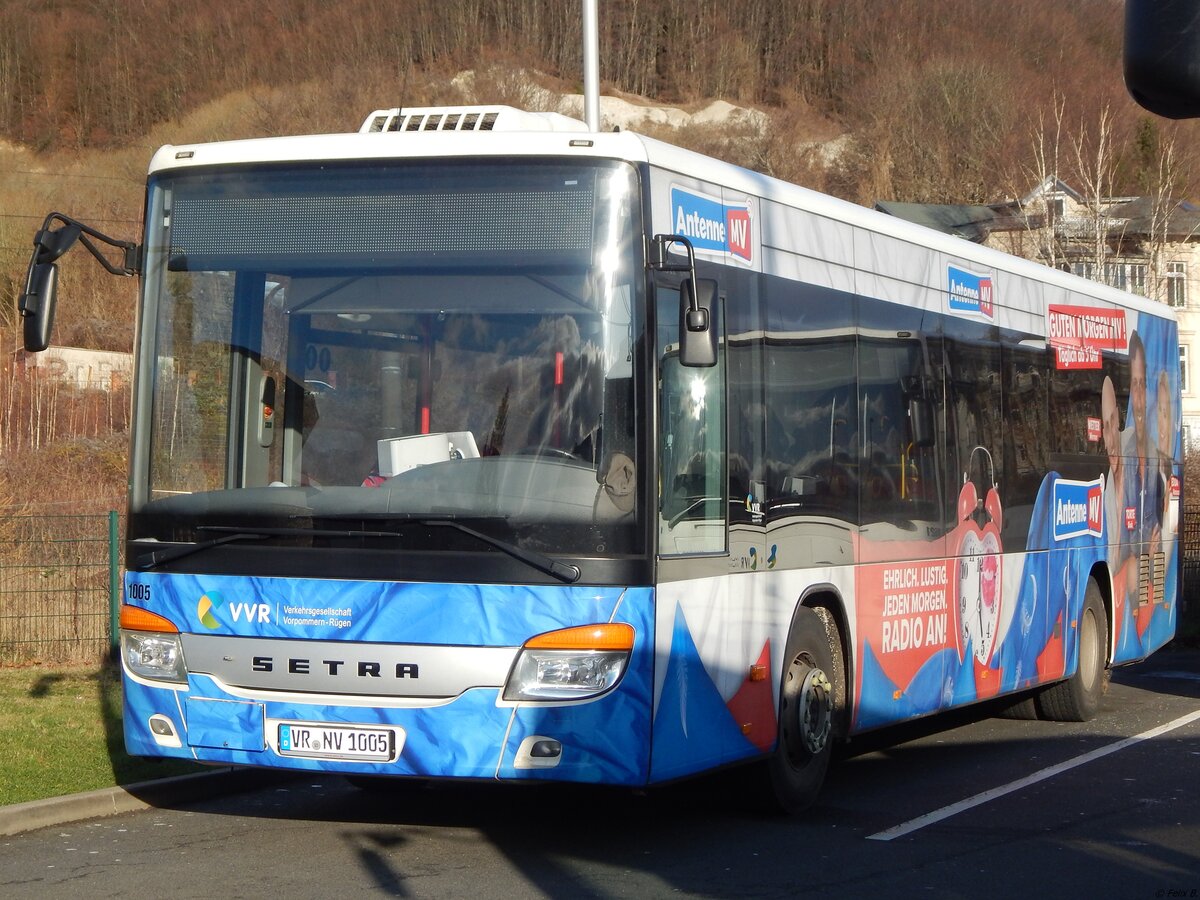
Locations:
(59, 586)
(1188, 627)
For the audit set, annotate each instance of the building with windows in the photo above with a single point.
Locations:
(1139, 244)
(86, 369)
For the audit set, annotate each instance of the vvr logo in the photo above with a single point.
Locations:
(712, 225)
(212, 601)
(1078, 508)
(971, 293)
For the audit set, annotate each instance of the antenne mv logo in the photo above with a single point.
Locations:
(1078, 508)
(712, 224)
(970, 292)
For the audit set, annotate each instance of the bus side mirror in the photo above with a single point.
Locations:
(697, 330)
(36, 305)
(920, 422)
(1162, 56)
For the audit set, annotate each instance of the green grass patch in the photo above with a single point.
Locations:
(60, 733)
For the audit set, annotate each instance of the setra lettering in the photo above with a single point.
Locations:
(362, 669)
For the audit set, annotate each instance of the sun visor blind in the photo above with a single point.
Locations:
(223, 231)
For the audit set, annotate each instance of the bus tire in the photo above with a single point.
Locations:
(1078, 698)
(1024, 707)
(809, 707)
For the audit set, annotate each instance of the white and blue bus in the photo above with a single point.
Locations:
(478, 445)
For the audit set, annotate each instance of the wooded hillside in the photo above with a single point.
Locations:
(933, 101)
(911, 100)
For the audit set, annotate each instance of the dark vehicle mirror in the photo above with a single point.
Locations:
(1162, 56)
(697, 331)
(920, 422)
(37, 305)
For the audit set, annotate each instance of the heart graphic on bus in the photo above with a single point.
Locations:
(978, 568)
(978, 594)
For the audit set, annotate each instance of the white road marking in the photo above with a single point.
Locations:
(1175, 676)
(955, 808)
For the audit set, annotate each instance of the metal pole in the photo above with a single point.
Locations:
(591, 65)
(114, 586)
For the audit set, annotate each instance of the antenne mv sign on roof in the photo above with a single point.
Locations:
(970, 292)
(711, 224)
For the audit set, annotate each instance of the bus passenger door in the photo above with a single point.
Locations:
(251, 399)
(693, 503)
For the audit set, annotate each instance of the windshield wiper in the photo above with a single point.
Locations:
(540, 561)
(232, 534)
(178, 551)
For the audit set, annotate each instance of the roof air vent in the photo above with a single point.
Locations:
(467, 118)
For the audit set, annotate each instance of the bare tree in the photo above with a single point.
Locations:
(1045, 173)
(1095, 169)
(1164, 203)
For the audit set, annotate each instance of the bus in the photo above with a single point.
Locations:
(481, 445)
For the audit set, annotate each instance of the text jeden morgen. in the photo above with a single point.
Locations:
(914, 607)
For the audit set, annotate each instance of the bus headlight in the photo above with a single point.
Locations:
(572, 664)
(150, 646)
(152, 655)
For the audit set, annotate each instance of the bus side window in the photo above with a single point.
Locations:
(976, 413)
(1029, 437)
(812, 427)
(692, 503)
(897, 471)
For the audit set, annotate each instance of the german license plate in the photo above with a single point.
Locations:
(337, 741)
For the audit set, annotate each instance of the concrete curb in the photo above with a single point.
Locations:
(22, 817)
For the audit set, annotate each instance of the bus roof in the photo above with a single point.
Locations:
(500, 131)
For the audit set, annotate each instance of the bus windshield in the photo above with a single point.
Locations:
(361, 345)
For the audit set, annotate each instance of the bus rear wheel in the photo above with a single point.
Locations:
(1078, 698)
(809, 706)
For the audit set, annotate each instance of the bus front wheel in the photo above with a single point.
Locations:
(809, 705)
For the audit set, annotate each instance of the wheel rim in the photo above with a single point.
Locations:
(815, 711)
(1088, 647)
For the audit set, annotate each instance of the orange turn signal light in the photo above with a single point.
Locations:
(135, 618)
(609, 636)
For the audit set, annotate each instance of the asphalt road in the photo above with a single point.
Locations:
(980, 807)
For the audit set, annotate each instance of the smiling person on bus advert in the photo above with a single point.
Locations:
(1114, 483)
(1164, 425)
(1143, 504)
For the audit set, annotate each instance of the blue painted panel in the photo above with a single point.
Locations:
(225, 724)
(606, 740)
